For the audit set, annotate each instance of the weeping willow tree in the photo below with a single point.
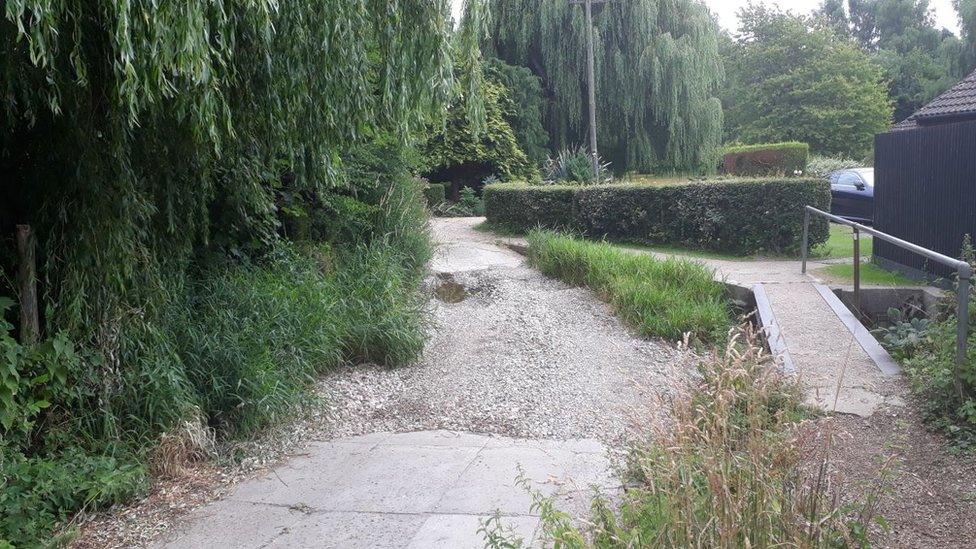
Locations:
(657, 70)
(136, 134)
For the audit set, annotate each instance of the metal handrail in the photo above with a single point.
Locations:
(963, 269)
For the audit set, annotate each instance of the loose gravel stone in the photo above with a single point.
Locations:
(520, 355)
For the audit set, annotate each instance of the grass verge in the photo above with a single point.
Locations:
(840, 243)
(871, 275)
(659, 298)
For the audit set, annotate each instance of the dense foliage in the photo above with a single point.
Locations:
(766, 159)
(525, 111)
(224, 208)
(966, 10)
(657, 72)
(463, 155)
(668, 298)
(793, 79)
(927, 348)
(434, 194)
(919, 60)
(733, 216)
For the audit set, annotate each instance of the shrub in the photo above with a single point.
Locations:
(522, 208)
(434, 194)
(733, 216)
(574, 165)
(660, 298)
(469, 204)
(766, 159)
(739, 217)
(39, 492)
(928, 350)
(340, 218)
(457, 153)
(237, 345)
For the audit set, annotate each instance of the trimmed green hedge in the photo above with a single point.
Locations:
(766, 159)
(434, 193)
(522, 208)
(739, 217)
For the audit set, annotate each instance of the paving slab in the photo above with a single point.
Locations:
(426, 489)
(351, 530)
(462, 531)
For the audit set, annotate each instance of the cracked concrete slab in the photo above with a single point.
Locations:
(425, 489)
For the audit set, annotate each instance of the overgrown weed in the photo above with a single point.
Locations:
(728, 459)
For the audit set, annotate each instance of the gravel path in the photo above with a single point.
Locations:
(520, 355)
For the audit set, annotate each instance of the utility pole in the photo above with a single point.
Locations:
(591, 81)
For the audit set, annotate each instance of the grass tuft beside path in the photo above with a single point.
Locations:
(841, 244)
(660, 298)
(871, 275)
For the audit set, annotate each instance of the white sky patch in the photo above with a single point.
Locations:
(726, 10)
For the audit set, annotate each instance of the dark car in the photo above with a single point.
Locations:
(852, 194)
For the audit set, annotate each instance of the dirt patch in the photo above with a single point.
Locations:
(930, 499)
(449, 291)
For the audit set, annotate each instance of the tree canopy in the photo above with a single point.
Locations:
(458, 156)
(658, 73)
(793, 78)
(147, 114)
(919, 60)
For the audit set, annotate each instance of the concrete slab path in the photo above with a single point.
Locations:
(431, 489)
(836, 370)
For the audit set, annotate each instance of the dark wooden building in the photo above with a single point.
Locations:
(925, 180)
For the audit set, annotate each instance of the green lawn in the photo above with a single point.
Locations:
(871, 275)
(841, 244)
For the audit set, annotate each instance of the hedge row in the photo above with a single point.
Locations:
(739, 217)
(766, 159)
(522, 207)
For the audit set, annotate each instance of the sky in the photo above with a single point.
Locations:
(945, 16)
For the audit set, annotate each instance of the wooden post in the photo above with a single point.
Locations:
(30, 328)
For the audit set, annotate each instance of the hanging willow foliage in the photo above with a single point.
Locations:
(142, 138)
(124, 121)
(657, 70)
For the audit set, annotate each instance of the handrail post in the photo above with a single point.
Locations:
(806, 239)
(857, 269)
(962, 327)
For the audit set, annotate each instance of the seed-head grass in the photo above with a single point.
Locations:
(728, 459)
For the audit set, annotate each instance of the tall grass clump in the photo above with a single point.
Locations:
(258, 337)
(228, 348)
(728, 460)
(666, 298)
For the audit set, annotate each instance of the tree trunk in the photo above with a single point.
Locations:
(27, 280)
